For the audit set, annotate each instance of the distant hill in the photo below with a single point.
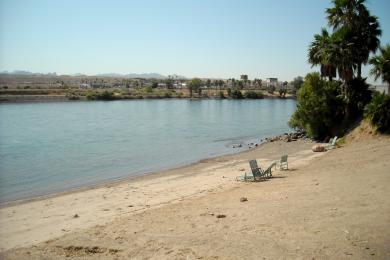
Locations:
(132, 75)
(28, 73)
(117, 75)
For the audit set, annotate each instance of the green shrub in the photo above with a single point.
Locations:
(229, 92)
(320, 107)
(149, 89)
(91, 96)
(221, 95)
(106, 96)
(254, 95)
(282, 92)
(378, 112)
(236, 94)
(271, 89)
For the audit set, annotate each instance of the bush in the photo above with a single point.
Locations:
(229, 92)
(282, 92)
(221, 95)
(378, 112)
(236, 94)
(320, 107)
(106, 96)
(271, 89)
(149, 89)
(253, 95)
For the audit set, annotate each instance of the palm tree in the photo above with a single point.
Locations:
(320, 54)
(381, 65)
(361, 30)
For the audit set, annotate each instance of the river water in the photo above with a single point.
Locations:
(54, 147)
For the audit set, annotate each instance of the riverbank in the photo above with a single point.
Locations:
(62, 95)
(328, 205)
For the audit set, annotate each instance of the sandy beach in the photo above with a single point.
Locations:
(328, 205)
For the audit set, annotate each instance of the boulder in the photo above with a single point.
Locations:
(318, 148)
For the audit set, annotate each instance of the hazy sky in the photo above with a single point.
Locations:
(203, 38)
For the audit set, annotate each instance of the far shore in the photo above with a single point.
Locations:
(112, 94)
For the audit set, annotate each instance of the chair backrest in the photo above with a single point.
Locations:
(283, 159)
(334, 141)
(255, 169)
(270, 167)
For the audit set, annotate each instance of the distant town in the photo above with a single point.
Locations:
(27, 86)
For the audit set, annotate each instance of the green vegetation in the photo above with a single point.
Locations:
(319, 107)
(326, 107)
(236, 94)
(282, 92)
(194, 85)
(221, 95)
(271, 89)
(253, 95)
(381, 66)
(378, 112)
(297, 83)
(106, 96)
(149, 89)
(229, 92)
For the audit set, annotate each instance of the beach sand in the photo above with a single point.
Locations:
(331, 205)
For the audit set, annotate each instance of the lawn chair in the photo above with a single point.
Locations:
(283, 163)
(332, 143)
(257, 173)
(268, 172)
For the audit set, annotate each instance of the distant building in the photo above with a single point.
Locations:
(84, 85)
(272, 80)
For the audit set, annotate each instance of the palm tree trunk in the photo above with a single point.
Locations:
(388, 89)
(359, 71)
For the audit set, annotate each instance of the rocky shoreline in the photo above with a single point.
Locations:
(286, 137)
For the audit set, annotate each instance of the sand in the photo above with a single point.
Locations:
(328, 205)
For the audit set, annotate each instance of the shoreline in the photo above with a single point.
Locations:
(21, 99)
(49, 216)
(306, 211)
(141, 176)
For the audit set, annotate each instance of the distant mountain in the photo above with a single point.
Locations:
(133, 75)
(28, 73)
(78, 75)
(114, 75)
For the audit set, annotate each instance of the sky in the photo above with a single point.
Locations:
(193, 38)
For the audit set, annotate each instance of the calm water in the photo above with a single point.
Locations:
(52, 147)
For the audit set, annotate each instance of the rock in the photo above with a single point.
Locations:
(75, 216)
(221, 216)
(211, 214)
(240, 145)
(243, 199)
(318, 148)
(256, 145)
(242, 169)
